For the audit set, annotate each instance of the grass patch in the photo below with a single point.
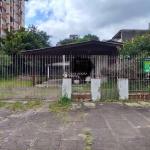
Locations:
(2, 104)
(109, 100)
(12, 81)
(20, 105)
(139, 85)
(67, 121)
(82, 117)
(61, 106)
(110, 84)
(87, 133)
(81, 88)
(109, 93)
(128, 101)
(89, 140)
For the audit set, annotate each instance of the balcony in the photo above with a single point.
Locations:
(11, 5)
(11, 24)
(3, 5)
(4, 26)
(18, 21)
(3, 16)
(18, 4)
(11, 14)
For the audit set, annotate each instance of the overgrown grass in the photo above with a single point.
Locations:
(139, 85)
(109, 100)
(110, 84)
(2, 104)
(61, 106)
(81, 88)
(20, 105)
(111, 94)
(12, 81)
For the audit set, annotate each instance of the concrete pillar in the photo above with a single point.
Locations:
(123, 89)
(48, 71)
(95, 89)
(67, 87)
(64, 64)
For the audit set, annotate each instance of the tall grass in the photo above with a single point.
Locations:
(12, 81)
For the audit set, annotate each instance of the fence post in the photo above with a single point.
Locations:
(95, 89)
(66, 87)
(123, 89)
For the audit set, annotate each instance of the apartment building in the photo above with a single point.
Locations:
(12, 15)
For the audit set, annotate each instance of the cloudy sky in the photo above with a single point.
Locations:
(104, 18)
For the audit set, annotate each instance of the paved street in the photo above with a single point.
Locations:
(113, 126)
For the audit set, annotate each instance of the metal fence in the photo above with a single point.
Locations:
(40, 77)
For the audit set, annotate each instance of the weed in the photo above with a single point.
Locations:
(5, 117)
(88, 148)
(87, 133)
(67, 121)
(127, 101)
(20, 105)
(82, 117)
(81, 88)
(146, 105)
(65, 100)
(61, 106)
(2, 104)
(109, 100)
(12, 81)
(89, 140)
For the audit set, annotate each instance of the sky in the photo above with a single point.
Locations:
(104, 18)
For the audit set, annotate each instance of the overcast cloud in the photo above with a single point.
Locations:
(104, 18)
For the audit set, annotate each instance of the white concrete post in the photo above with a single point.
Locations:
(48, 71)
(66, 87)
(123, 89)
(95, 89)
(63, 64)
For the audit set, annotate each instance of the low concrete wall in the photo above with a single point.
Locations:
(123, 88)
(95, 89)
(66, 87)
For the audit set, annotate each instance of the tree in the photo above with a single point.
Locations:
(5, 62)
(87, 37)
(24, 39)
(91, 37)
(140, 45)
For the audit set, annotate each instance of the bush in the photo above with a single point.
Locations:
(125, 68)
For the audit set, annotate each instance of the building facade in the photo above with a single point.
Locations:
(128, 34)
(12, 15)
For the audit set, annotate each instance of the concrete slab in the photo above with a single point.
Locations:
(90, 105)
(123, 129)
(111, 114)
(96, 122)
(146, 133)
(111, 125)
(137, 121)
(134, 144)
(144, 111)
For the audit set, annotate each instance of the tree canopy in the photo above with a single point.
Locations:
(87, 37)
(24, 39)
(140, 46)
